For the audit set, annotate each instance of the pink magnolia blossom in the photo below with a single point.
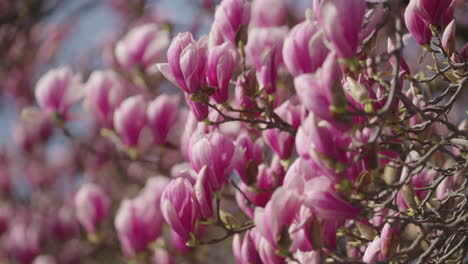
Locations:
(231, 16)
(130, 119)
(92, 206)
(179, 207)
(142, 46)
(304, 49)
(162, 115)
(215, 151)
(186, 62)
(104, 92)
(58, 90)
(221, 63)
(342, 21)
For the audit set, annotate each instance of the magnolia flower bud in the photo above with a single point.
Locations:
(304, 49)
(248, 156)
(372, 253)
(448, 38)
(204, 194)
(325, 147)
(215, 151)
(269, 13)
(320, 196)
(389, 238)
(179, 207)
(232, 16)
(130, 119)
(277, 215)
(58, 90)
(138, 223)
(416, 25)
(221, 63)
(162, 114)
(433, 11)
(186, 62)
(321, 93)
(104, 93)
(92, 206)
(246, 86)
(264, 52)
(142, 46)
(341, 21)
(244, 249)
(281, 141)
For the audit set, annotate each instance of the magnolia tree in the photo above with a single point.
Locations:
(334, 135)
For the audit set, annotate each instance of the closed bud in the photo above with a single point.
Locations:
(372, 253)
(138, 223)
(304, 49)
(130, 119)
(221, 63)
(321, 92)
(162, 115)
(264, 52)
(408, 194)
(179, 207)
(342, 21)
(58, 90)
(104, 93)
(92, 206)
(434, 11)
(389, 238)
(418, 27)
(448, 38)
(231, 16)
(246, 87)
(142, 46)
